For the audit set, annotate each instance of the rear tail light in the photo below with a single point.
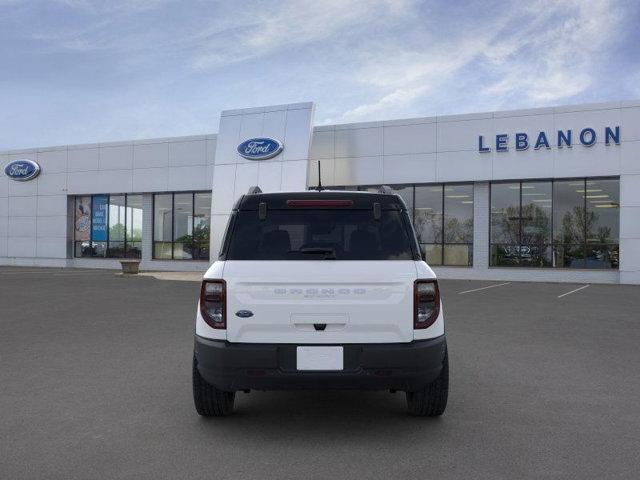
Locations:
(213, 303)
(426, 303)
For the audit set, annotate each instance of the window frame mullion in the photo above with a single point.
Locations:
(442, 232)
(173, 223)
(193, 222)
(124, 250)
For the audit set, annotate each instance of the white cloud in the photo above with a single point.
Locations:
(112, 6)
(397, 98)
(288, 24)
(405, 76)
(555, 63)
(160, 68)
(544, 52)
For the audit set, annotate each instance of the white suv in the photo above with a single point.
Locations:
(320, 290)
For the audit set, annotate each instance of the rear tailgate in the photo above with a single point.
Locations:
(356, 301)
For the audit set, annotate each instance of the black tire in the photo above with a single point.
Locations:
(209, 401)
(431, 401)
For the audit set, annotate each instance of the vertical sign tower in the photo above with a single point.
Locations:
(233, 175)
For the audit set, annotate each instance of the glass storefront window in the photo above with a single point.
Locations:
(458, 225)
(564, 223)
(82, 226)
(569, 223)
(162, 225)
(99, 225)
(603, 223)
(535, 230)
(134, 226)
(201, 225)
(108, 226)
(427, 221)
(181, 225)
(505, 213)
(568, 212)
(428, 213)
(117, 219)
(442, 216)
(505, 224)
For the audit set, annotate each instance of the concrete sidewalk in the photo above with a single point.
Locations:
(175, 276)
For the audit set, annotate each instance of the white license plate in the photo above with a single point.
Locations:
(320, 358)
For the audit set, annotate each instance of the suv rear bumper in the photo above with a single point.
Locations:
(373, 366)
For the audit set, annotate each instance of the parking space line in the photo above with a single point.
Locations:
(484, 288)
(573, 291)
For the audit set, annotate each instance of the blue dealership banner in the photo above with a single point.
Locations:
(99, 218)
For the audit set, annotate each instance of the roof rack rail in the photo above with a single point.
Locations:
(385, 189)
(253, 190)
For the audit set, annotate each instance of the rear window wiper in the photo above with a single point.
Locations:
(329, 253)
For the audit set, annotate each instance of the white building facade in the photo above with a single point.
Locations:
(549, 194)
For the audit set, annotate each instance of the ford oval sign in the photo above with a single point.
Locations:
(260, 148)
(22, 170)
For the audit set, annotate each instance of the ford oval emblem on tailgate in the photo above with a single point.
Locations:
(244, 313)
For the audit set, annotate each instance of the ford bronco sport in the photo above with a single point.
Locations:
(320, 290)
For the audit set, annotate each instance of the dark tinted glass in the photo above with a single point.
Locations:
(568, 212)
(428, 213)
(319, 234)
(602, 256)
(562, 224)
(569, 256)
(201, 225)
(535, 250)
(443, 241)
(505, 255)
(162, 217)
(134, 226)
(505, 213)
(182, 225)
(458, 225)
(117, 219)
(603, 211)
(458, 213)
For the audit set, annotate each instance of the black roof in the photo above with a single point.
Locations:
(361, 200)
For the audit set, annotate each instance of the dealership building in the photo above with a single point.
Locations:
(548, 194)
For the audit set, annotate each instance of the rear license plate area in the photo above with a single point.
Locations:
(320, 358)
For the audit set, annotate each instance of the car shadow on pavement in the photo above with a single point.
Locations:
(330, 414)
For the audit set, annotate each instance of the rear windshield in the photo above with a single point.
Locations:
(318, 235)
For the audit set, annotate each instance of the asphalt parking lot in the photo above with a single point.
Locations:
(95, 382)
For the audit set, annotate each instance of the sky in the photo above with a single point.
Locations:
(80, 71)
